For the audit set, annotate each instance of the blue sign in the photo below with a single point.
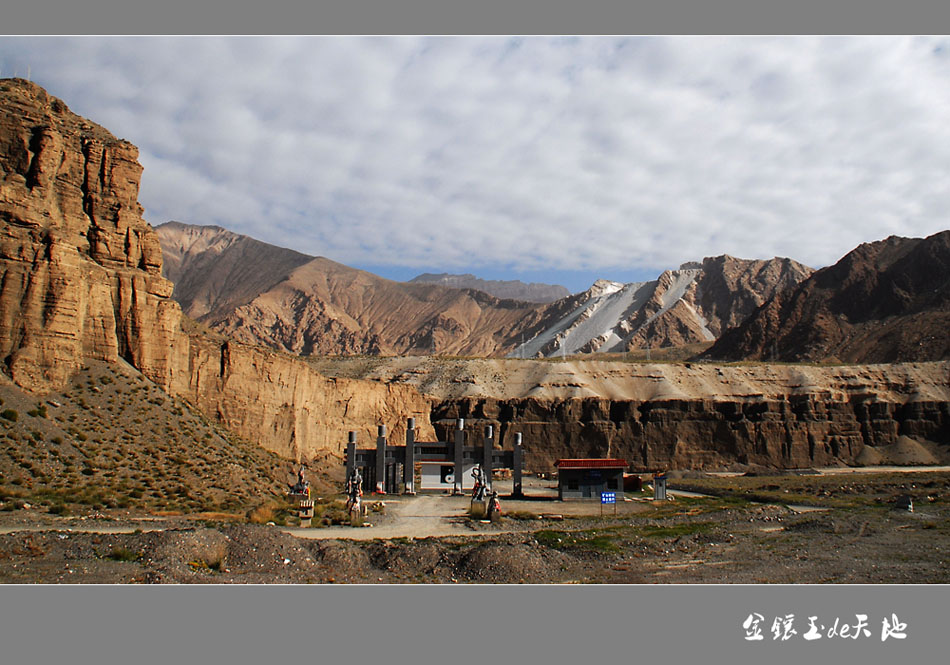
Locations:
(608, 497)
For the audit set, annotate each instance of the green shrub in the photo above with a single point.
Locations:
(10, 415)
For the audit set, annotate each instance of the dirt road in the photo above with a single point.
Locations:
(406, 517)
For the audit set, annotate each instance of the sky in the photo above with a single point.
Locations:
(554, 159)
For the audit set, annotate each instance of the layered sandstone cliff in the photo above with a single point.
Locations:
(81, 281)
(81, 268)
(683, 416)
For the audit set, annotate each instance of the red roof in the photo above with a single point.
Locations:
(600, 463)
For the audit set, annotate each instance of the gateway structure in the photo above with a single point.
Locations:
(432, 465)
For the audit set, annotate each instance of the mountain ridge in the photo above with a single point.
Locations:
(884, 301)
(312, 305)
(512, 289)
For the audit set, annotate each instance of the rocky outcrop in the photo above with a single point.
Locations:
(886, 301)
(799, 431)
(512, 289)
(291, 408)
(81, 268)
(81, 281)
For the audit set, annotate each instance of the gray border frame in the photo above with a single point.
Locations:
(473, 624)
(455, 17)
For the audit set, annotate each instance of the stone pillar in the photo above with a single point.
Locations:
(351, 454)
(487, 443)
(409, 461)
(459, 456)
(381, 460)
(516, 489)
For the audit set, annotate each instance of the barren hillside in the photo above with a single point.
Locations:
(886, 301)
(307, 305)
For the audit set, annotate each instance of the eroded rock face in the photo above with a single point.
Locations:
(292, 409)
(81, 268)
(82, 281)
(800, 431)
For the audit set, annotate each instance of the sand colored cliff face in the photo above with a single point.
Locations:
(82, 281)
(509, 378)
(292, 409)
(81, 268)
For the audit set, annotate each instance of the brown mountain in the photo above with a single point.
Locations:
(261, 294)
(687, 306)
(511, 289)
(885, 301)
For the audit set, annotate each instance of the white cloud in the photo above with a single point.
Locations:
(574, 154)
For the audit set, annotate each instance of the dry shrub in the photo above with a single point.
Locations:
(262, 514)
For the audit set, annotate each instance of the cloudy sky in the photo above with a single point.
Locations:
(545, 159)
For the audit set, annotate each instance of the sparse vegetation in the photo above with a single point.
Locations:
(124, 554)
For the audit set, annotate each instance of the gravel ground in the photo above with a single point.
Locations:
(690, 540)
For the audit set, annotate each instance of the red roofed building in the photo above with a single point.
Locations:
(587, 478)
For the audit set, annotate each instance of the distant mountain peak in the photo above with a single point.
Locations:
(513, 289)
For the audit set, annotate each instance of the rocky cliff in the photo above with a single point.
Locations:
(81, 268)
(690, 415)
(794, 432)
(81, 281)
(291, 408)
(886, 301)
